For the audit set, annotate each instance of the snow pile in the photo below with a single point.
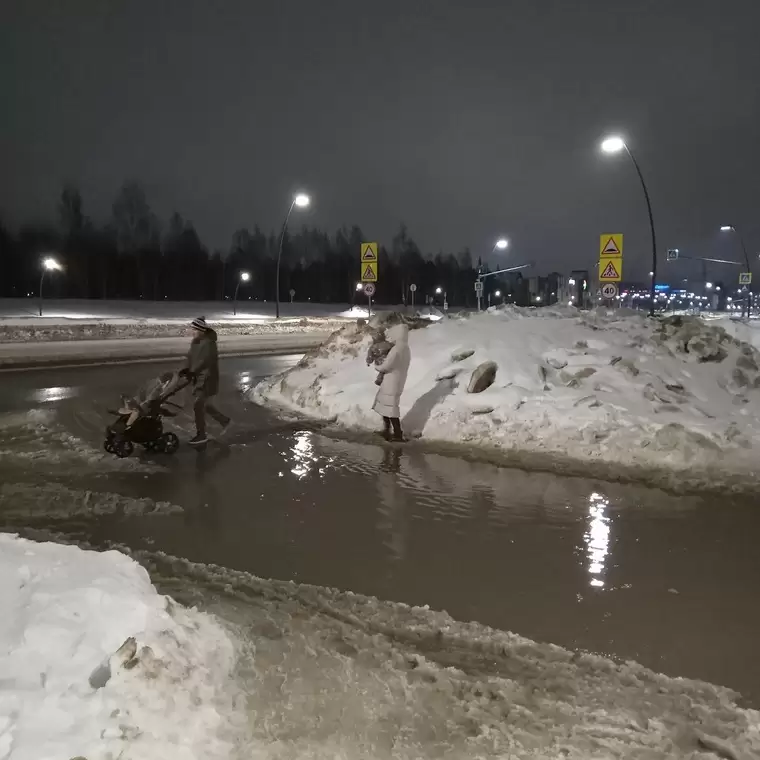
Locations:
(614, 389)
(95, 664)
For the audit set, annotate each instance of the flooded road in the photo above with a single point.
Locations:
(619, 570)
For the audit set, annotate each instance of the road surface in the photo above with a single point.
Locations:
(624, 571)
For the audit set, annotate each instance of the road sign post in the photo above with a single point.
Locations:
(292, 295)
(369, 290)
(412, 290)
(479, 290)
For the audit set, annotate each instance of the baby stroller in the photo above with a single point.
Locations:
(140, 419)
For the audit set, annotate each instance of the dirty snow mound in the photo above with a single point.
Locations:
(96, 664)
(680, 394)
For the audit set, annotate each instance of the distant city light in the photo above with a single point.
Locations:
(709, 285)
(497, 293)
(359, 286)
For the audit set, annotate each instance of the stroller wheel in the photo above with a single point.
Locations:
(122, 448)
(168, 443)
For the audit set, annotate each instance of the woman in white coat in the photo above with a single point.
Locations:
(393, 371)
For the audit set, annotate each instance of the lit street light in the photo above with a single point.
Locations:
(438, 291)
(501, 244)
(302, 201)
(244, 277)
(615, 144)
(49, 264)
(709, 285)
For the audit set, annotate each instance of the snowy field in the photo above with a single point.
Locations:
(97, 664)
(616, 390)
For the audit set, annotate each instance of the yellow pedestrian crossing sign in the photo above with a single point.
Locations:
(369, 271)
(610, 269)
(611, 244)
(369, 251)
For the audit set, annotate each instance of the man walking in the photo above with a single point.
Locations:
(202, 366)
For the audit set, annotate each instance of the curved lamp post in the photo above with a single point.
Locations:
(731, 228)
(49, 264)
(615, 145)
(301, 200)
(244, 277)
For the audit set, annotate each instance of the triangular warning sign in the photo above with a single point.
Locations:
(610, 248)
(370, 253)
(369, 274)
(610, 272)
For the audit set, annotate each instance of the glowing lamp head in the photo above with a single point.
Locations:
(245, 276)
(51, 264)
(302, 200)
(613, 144)
(501, 244)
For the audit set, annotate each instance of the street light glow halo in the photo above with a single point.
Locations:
(50, 264)
(501, 244)
(245, 276)
(302, 200)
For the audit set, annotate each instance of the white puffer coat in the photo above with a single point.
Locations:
(394, 369)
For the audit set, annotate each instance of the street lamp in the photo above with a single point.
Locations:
(244, 277)
(615, 144)
(501, 244)
(302, 201)
(438, 291)
(49, 264)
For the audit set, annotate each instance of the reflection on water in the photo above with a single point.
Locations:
(305, 459)
(597, 538)
(52, 394)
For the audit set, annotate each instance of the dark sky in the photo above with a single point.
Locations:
(465, 119)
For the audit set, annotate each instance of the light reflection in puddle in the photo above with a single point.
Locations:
(52, 394)
(597, 538)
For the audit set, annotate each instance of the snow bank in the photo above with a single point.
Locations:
(613, 389)
(96, 664)
(154, 329)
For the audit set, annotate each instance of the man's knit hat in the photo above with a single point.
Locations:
(199, 323)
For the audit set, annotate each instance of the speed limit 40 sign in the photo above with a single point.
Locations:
(609, 290)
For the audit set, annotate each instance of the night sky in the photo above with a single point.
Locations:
(467, 120)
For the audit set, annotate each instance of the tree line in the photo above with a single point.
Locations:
(134, 256)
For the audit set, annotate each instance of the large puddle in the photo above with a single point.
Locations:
(613, 569)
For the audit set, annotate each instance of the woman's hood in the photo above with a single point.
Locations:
(398, 334)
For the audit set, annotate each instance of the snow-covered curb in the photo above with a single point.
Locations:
(144, 329)
(96, 664)
(615, 393)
